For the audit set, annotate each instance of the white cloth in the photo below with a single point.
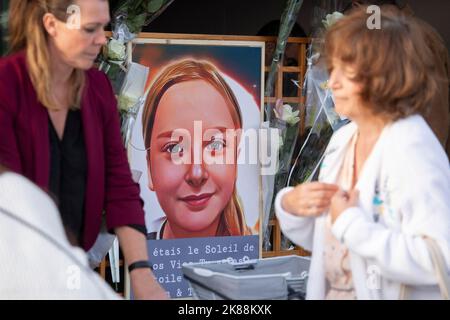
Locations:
(413, 177)
(32, 266)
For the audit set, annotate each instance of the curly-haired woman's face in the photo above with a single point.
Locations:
(346, 91)
(187, 159)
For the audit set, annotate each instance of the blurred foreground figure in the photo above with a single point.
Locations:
(37, 260)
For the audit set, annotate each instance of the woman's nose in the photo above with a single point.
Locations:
(197, 175)
(101, 39)
(333, 82)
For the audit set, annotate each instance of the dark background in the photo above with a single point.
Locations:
(245, 17)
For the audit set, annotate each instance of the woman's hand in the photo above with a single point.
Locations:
(341, 201)
(309, 199)
(134, 247)
(145, 287)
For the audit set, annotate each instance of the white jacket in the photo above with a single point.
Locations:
(412, 173)
(37, 266)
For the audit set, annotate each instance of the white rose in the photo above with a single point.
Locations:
(290, 117)
(126, 102)
(284, 113)
(116, 50)
(331, 19)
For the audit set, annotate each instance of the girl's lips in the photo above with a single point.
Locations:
(197, 200)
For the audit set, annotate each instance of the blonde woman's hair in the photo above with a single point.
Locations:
(232, 221)
(27, 32)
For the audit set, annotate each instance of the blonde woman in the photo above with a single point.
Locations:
(60, 127)
(199, 198)
(384, 183)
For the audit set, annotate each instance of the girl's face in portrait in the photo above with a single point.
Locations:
(192, 194)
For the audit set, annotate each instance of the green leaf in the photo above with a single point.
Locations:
(136, 23)
(155, 5)
(135, 5)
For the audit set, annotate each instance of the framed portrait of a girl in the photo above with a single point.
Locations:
(195, 150)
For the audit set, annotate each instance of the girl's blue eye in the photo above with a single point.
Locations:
(174, 148)
(216, 145)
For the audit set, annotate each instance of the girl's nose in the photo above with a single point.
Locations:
(197, 175)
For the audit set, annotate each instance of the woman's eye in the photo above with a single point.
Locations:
(93, 29)
(216, 145)
(174, 148)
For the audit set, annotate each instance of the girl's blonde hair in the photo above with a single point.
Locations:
(27, 32)
(232, 221)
